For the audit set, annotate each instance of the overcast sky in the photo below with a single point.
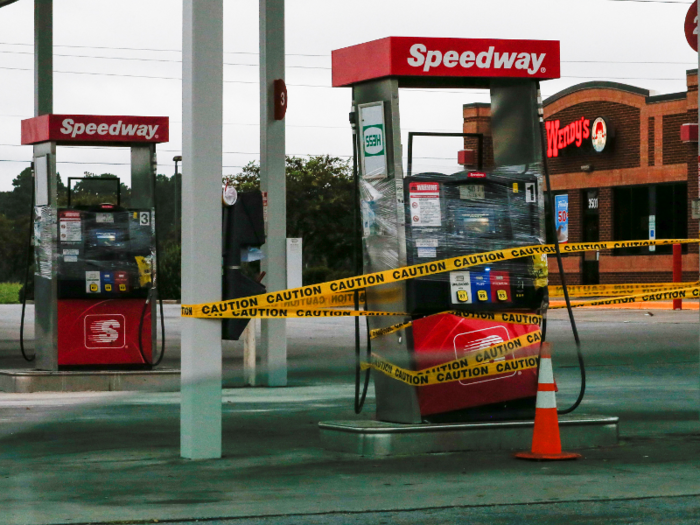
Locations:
(124, 58)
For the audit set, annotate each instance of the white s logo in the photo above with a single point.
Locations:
(105, 331)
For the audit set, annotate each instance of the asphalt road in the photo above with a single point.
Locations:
(683, 510)
(98, 458)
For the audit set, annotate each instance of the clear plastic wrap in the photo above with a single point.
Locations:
(44, 241)
(433, 216)
(96, 252)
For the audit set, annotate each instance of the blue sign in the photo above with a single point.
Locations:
(561, 209)
(481, 287)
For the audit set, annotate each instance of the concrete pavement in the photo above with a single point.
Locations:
(79, 458)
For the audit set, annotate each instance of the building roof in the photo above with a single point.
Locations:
(597, 84)
(601, 84)
(666, 96)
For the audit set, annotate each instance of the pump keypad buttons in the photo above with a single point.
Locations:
(482, 295)
(502, 295)
(462, 296)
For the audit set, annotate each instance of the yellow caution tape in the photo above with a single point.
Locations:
(475, 364)
(686, 293)
(603, 290)
(503, 317)
(611, 245)
(373, 334)
(207, 310)
(325, 301)
(285, 313)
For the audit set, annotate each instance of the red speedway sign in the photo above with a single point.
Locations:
(86, 129)
(446, 57)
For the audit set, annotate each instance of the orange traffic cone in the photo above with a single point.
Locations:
(546, 443)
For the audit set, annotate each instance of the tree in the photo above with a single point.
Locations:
(15, 214)
(319, 208)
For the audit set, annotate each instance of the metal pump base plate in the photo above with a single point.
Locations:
(377, 438)
(29, 381)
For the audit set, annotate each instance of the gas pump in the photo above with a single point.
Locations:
(243, 234)
(95, 262)
(434, 215)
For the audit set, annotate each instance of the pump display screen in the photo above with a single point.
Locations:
(477, 225)
(105, 238)
(472, 191)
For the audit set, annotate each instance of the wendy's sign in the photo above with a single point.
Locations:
(577, 134)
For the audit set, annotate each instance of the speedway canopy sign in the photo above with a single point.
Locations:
(447, 58)
(87, 129)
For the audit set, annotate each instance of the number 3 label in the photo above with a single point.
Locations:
(145, 218)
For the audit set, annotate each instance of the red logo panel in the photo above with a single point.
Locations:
(105, 331)
(413, 57)
(88, 129)
(444, 337)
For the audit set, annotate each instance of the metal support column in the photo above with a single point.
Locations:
(45, 292)
(43, 57)
(272, 181)
(202, 106)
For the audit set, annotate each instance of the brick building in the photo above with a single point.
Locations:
(641, 182)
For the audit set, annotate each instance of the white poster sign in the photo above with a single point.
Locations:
(373, 143)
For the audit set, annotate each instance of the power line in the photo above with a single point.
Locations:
(158, 50)
(600, 77)
(304, 126)
(605, 77)
(166, 60)
(326, 68)
(662, 62)
(652, 1)
(92, 73)
(101, 163)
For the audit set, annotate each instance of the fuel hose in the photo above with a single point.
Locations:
(153, 291)
(562, 275)
(360, 397)
(29, 253)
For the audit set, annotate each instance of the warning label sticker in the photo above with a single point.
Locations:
(70, 255)
(425, 204)
(69, 229)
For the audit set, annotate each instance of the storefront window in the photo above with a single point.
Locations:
(637, 209)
